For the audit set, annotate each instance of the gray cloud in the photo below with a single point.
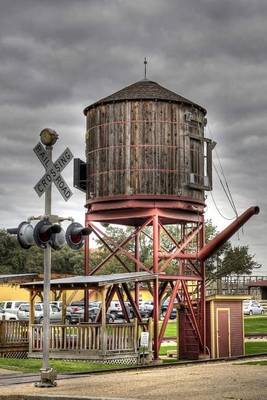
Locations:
(58, 57)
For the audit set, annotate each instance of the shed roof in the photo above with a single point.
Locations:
(94, 281)
(144, 90)
(17, 277)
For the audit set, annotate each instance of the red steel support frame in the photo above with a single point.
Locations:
(184, 258)
(189, 271)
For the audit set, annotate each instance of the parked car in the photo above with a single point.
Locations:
(79, 305)
(78, 315)
(114, 308)
(164, 307)
(55, 313)
(118, 313)
(58, 304)
(4, 315)
(146, 308)
(251, 307)
(11, 306)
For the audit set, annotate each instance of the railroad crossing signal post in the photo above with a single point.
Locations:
(49, 138)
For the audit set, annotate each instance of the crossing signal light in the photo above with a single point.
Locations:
(24, 234)
(75, 235)
(44, 231)
(58, 240)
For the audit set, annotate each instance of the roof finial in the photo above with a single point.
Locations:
(145, 63)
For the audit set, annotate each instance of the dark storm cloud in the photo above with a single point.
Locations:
(58, 57)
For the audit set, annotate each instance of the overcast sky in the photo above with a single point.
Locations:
(59, 56)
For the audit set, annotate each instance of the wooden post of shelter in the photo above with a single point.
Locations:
(33, 295)
(64, 307)
(103, 321)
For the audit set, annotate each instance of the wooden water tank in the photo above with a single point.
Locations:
(147, 141)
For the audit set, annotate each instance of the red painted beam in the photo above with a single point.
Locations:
(180, 277)
(211, 247)
(132, 302)
(168, 313)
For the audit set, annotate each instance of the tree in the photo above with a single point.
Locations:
(228, 259)
(237, 260)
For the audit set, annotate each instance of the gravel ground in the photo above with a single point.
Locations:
(232, 381)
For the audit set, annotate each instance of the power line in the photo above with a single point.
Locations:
(224, 185)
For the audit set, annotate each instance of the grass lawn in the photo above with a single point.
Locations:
(255, 347)
(164, 349)
(257, 324)
(33, 365)
(255, 363)
(253, 324)
(171, 329)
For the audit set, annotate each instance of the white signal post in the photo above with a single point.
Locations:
(49, 138)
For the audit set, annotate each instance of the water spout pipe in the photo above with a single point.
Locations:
(214, 244)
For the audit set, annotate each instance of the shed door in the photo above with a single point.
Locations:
(223, 333)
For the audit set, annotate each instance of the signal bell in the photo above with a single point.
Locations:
(24, 234)
(44, 231)
(75, 235)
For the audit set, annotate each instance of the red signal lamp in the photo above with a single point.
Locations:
(43, 232)
(75, 235)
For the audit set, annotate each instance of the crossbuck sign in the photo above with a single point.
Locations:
(53, 172)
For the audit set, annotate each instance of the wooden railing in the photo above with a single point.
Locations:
(93, 338)
(66, 337)
(121, 337)
(13, 332)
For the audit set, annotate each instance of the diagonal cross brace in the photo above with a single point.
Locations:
(119, 248)
(179, 251)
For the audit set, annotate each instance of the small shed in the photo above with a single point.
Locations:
(225, 325)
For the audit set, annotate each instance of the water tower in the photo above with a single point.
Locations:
(148, 164)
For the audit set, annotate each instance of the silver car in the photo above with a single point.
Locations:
(55, 313)
(251, 307)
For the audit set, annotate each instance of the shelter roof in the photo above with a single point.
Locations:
(260, 283)
(17, 277)
(144, 90)
(93, 281)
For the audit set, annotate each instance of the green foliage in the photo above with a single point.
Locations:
(228, 259)
(237, 260)
(14, 259)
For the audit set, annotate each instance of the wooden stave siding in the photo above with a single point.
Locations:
(157, 138)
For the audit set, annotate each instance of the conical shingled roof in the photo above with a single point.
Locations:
(144, 90)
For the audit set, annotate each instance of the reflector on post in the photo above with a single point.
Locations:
(43, 232)
(75, 235)
(24, 234)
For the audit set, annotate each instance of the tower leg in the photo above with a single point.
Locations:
(156, 286)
